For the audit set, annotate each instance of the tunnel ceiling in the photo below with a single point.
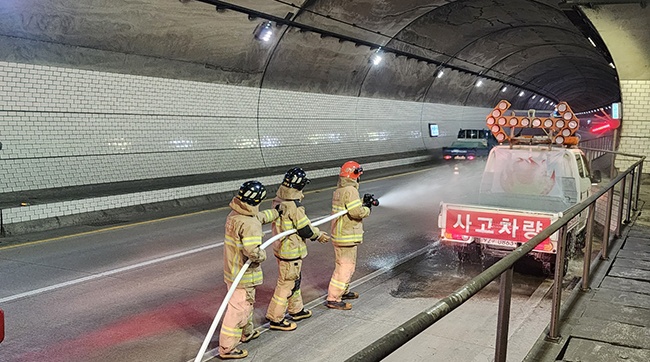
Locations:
(433, 51)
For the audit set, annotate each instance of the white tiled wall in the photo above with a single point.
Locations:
(635, 126)
(66, 127)
(57, 209)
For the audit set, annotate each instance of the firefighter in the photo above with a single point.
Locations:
(290, 251)
(347, 234)
(242, 242)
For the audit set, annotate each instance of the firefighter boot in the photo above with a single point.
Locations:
(250, 337)
(338, 305)
(234, 354)
(350, 295)
(303, 314)
(283, 325)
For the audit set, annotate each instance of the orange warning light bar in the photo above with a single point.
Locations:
(560, 130)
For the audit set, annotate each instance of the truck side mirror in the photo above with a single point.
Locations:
(596, 177)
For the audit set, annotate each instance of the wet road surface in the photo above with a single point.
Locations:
(149, 291)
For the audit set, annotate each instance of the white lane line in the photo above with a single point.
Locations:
(111, 272)
(107, 273)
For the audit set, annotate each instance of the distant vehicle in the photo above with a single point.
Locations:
(471, 143)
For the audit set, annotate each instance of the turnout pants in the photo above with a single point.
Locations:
(238, 318)
(287, 295)
(346, 261)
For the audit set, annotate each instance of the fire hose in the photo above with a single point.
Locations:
(235, 282)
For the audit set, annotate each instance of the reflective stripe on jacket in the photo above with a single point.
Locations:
(347, 230)
(291, 247)
(242, 242)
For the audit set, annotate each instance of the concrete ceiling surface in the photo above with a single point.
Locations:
(626, 31)
(517, 44)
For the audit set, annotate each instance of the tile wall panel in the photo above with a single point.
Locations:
(281, 132)
(43, 211)
(51, 89)
(297, 155)
(40, 173)
(296, 105)
(443, 112)
(370, 108)
(474, 113)
(42, 134)
(635, 124)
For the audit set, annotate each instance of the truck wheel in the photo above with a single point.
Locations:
(463, 256)
(580, 240)
(570, 246)
(548, 268)
(487, 261)
(566, 263)
(469, 253)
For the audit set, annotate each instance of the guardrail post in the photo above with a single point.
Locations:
(608, 224)
(503, 321)
(612, 167)
(630, 193)
(621, 206)
(638, 186)
(587, 254)
(2, 325)
(553, 333)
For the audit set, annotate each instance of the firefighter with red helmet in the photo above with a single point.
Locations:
(242, 243)
(346, 234)
(290, 251)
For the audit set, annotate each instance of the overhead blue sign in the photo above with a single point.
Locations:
(616, 110)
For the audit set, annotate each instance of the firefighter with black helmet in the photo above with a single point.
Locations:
(242, 243)
(290, 251)
(347, 233)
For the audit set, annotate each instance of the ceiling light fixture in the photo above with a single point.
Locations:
(592, 42)
(376, 58)
(263, 31)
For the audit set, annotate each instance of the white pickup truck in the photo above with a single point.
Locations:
(524, 188)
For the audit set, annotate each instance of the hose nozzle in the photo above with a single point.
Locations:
(370, 201)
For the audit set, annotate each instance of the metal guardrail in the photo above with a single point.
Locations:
(390, 342)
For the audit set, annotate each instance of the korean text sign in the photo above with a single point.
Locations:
(503, 226)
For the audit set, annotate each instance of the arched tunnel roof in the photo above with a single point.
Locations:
(433, 50)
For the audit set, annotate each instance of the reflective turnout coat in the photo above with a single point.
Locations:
(292, 247)
(242, 242)
(347, 230)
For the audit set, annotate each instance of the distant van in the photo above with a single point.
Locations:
(481, 134)
(471, 144)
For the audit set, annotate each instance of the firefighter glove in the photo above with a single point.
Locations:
(323, 237)
(257, 256)
(277, 207)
